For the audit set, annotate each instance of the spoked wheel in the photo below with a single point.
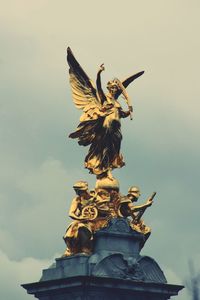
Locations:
(90, 212)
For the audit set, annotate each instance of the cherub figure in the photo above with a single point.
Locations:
(99, 126)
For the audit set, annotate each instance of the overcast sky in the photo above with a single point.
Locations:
(161, 146)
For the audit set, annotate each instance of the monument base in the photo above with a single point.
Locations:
(98, 288)
(115, 269)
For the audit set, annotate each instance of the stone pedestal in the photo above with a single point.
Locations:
(115, 269)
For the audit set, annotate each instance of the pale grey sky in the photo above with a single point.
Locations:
(39, 164)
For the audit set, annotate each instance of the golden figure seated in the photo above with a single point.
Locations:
(90, 213)
(127, 208)
(92, 210)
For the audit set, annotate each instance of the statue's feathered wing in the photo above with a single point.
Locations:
(84, 97)
(83, 91)
(129, 80)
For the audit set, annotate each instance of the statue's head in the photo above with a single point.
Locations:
(113, 86)
(134, 192)
(81, 187)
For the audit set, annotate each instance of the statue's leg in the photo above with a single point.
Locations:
(84, 240)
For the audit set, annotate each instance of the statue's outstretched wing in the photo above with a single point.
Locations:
(128, 80)
(83, 90)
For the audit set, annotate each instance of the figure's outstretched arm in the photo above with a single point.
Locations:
(126, 96)
(98, 84)
(143, 206)
(141, 209)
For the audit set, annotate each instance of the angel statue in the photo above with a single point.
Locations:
(100, 122)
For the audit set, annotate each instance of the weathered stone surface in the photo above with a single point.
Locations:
(89, 287)
(115, 269)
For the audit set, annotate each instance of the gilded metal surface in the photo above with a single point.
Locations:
(100, 126)
(93, 210)
(100, 129)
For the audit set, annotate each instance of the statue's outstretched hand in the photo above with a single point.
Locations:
(102, 68)
(149, 202)
(131, 112)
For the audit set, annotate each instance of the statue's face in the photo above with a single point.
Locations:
(82, 193)
(134, 194)
(113, 88)
(137, 194)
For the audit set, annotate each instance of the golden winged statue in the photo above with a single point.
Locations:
(100, 126)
